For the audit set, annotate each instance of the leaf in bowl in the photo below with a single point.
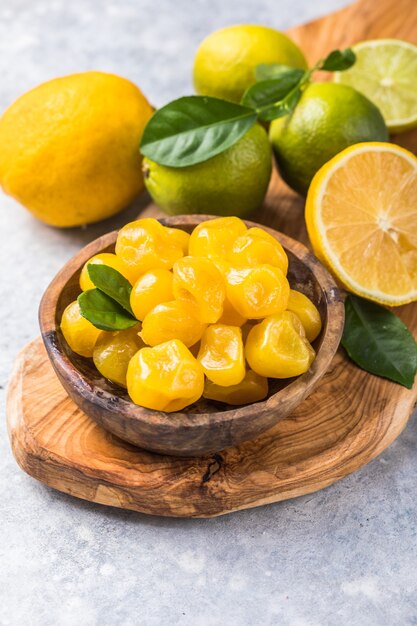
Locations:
(112, 283)
(104, 312)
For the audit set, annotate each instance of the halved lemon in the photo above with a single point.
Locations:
(361, 215)
(385, 72)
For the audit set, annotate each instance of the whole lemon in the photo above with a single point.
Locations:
(231, 183)
(327, 119)
(69, 149)
(225, 61)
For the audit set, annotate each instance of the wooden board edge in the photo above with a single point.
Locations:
(47, 467)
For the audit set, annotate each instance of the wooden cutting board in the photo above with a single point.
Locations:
(349, 420)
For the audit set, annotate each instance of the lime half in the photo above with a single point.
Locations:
(386, 72)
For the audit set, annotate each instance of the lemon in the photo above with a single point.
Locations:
(231, 183)
(69, 149)
(225, 61)
(327, 119)
(385, 71)
(362, 221)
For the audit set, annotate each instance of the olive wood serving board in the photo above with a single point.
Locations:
(350, 418)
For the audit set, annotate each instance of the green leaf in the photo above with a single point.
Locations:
(103, 312)
(112, 283)
(284, 107)
(193, 129)
(379, 342)
(338, 60)
(267, 92)
(268, 71)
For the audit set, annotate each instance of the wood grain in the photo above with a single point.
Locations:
(366, 19)
(350, 418)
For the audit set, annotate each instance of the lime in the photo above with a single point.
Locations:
(225, 61)
(386, 71)
(231, 183)
(327, 119)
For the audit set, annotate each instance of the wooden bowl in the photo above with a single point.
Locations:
(206, 426)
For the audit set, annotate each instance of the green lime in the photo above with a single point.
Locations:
(327, 119)
(225, 61)
(386, 71)
(231, 183)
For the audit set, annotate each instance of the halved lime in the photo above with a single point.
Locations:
(386, 72)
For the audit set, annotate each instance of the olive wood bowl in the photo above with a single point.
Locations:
(206, 426)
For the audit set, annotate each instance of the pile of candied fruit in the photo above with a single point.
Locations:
(216, 315)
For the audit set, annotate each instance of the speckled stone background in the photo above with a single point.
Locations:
(343, 556)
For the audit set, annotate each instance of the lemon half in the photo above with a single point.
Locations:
(362, 221)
